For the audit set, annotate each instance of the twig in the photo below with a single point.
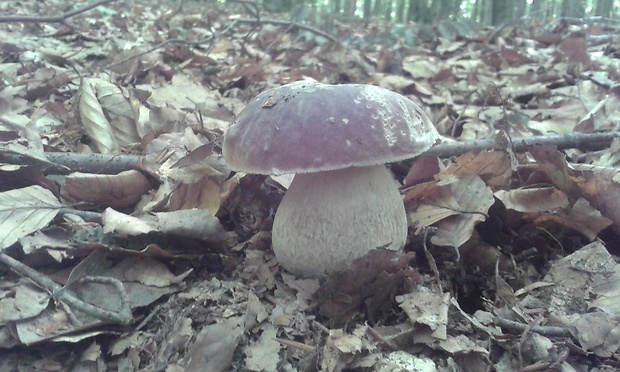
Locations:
(548, 331)
(254, 12)
(124, 316)
(379, 337)
(113, 164)
(321, 327)
(77, 162)
(581, 141)
(595, 109)
(297, 345)
(52, 19)
(431, 259)
(456, 121)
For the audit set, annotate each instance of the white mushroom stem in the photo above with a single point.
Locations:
(328, 219)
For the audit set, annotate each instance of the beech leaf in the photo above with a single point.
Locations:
(24, 211)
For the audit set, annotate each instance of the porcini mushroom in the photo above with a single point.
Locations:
(343, 202)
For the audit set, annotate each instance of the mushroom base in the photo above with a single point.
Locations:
(328, 219)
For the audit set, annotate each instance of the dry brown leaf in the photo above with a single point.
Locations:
(426, 306)
(57, 324)
(371, 280)
(24, 211)
(434, 207)
(494, 167)
(420, 68)
(599, 333)
(610, 157)
(473, 199)
(423, 170)
(117, 125)
(24, 141)
(25, 302)
(428, 191)
(191, 223)
(93, 117)
(115, 191)
(215, 345)
(546, 199)
(171, 156)
(590, 272)
(147, 271)
(556, 120)
(145, 280)
(575, 50)
(121, 223)
(601, 187)
(553, 164)
(204, 194)
(581, 217)
(48, 323)
(263, 354)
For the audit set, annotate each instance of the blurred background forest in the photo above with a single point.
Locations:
(484, 12)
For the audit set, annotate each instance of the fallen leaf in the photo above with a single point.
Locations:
(474, 199)
(24, 211)
(263, 355)
(215, 345)
(545, 199)
(372, 279)
(117, 191)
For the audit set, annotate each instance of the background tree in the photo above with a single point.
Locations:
(572, 8)
(485, 12)
(418, 11)
(603, 8)
(367, 9)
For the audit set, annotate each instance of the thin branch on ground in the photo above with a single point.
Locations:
(581, 141)
(113, 164)
(52, 19)
(124, 316)
(548, 331)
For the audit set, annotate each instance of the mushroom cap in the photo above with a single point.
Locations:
(306, 127)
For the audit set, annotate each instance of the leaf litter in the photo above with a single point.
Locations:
(512, 255)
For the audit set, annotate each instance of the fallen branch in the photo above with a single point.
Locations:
(581, 141)
(124, 316)
(113, 164)
(548, 331)
(52, 19)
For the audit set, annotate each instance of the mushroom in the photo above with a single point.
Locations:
(343, 202)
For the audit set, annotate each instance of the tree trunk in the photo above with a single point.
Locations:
(573, 9)
(400, 11)
(349, 10)
(486, 12)
(387, 10)
(376, 11)
(456, 8)
(337, 6)
(502, 12)
(603, 8)
(367, 9)
(536, 9)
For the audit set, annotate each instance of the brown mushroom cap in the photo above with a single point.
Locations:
(306, 127)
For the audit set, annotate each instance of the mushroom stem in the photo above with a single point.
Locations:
(328, 219)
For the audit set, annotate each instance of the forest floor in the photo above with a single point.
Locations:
(127, 244)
